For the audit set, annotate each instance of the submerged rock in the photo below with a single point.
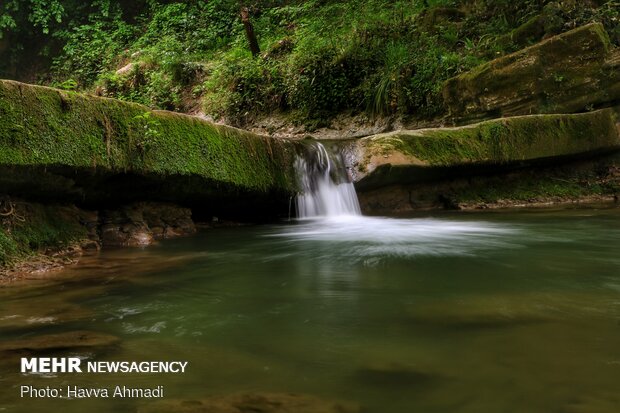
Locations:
(480, 313)
(600, 403)
(61, 341)
(252, 403)
(395, 375)
(25, 315)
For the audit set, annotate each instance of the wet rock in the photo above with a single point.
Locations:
(44, 237)
(141, 223)
(90, 246)
(247, 166)
(170, 220)
(62, 341)
(252, 403)
(31, 323)
(125, 235)
(572, 72)
(33, 312)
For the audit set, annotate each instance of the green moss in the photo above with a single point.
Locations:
(563, 74)
(602, 34)
(35, 228)
(43, 126)
(505, 140)
(531, 30)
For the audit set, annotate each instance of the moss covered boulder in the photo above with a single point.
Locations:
(92, 148)
(572, 72)
(430, 154)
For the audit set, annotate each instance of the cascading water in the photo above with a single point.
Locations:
(326, 190)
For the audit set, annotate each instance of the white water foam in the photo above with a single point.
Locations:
(361, 238)
(326, 190)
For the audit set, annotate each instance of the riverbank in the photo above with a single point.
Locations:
(106, 159)
(122, 175)
(50, 261)
(40, 238)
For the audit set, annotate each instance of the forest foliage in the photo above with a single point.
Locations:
(318, 57)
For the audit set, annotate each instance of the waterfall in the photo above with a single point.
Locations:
(326, 188)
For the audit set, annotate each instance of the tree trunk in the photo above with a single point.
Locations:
(249, 31)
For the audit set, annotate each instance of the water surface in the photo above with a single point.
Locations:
(459, 313)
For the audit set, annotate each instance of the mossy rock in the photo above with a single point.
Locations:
(572, 72)
(423, 155)
(45, 127)
(435, 18)
(529, 32)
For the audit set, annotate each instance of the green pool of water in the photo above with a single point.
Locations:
(460, 313)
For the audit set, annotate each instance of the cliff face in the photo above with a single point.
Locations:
(63, 145)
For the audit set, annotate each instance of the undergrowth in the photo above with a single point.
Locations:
(318, 57)
(32, 228)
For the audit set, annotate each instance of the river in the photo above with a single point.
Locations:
(451, 312)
